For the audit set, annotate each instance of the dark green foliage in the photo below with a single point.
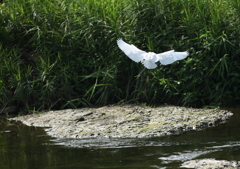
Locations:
(63, 54)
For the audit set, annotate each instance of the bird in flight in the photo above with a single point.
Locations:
(149, 59)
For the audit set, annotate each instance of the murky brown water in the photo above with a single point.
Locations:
(23, 147)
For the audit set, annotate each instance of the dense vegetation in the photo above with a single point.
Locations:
(57, 54)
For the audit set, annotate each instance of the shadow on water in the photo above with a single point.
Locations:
(29, 147)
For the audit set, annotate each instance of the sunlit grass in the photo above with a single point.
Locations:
(63, 54)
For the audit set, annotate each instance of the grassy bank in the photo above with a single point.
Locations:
(63, 54)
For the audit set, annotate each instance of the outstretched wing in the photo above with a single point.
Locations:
(131, 51)
(171, 56)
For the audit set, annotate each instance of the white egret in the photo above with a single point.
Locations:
(149, 59)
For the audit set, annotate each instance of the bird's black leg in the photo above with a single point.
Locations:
(139, 74)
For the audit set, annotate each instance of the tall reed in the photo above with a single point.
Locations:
(63, 54)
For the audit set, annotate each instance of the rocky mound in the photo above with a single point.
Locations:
(124, 121)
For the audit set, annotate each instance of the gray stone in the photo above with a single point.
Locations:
(211, 164)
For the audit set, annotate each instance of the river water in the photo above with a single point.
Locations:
(23, 147)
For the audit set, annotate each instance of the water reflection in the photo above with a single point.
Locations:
(29, 147)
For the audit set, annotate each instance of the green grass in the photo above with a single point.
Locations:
(63, 54)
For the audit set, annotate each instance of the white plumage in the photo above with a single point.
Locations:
(149, 59)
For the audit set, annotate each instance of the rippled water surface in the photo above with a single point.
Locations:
(23, 147)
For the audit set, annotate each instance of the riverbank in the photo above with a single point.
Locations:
(124, 121)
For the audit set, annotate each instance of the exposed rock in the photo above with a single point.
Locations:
(125, 121)
(211, 164)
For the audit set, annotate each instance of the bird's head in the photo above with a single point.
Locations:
(149, 56)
